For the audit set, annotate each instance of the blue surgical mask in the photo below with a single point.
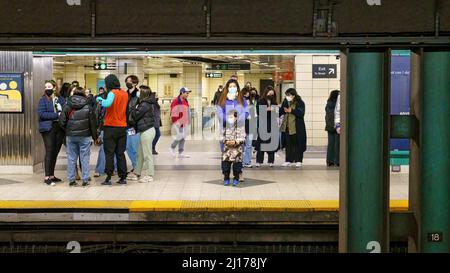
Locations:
(232, 90)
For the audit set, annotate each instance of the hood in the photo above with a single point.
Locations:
(112, 82)
(77, 102)
(151, 99)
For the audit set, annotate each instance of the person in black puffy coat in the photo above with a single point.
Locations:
(79, 121)
(143, 120)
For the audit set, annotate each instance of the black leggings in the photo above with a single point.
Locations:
(53, 141)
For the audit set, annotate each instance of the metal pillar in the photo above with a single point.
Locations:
(435, 153)
(364, 177)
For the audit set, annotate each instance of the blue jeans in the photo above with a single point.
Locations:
(101, 160)
(247, 160)
(132, 147)
(157, 136)
(78, 147)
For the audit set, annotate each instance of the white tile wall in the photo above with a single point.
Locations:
(315, 93)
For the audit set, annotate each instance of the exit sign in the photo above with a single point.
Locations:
(101, 66)
(213, 75)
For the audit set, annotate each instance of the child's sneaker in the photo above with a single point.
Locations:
(226, 182)
(235, 182)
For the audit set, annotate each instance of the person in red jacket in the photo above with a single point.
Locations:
(180, 114)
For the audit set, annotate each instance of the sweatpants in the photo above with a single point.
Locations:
(145, 166)
(115, 143)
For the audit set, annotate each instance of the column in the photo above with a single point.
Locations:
(364, 177)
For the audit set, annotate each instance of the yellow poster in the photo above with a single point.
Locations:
(11, 93)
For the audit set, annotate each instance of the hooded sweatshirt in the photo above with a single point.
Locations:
(116, 103)
(78, 118)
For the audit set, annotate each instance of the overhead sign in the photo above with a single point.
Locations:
(226, 66)
(11, 93)
(324, 71)
(101, 66)
(213, 75)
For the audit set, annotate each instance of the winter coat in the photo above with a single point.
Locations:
(47, 114)
(143, 115)
(235, 133)
(300, 128)
(78, 118)
(329, 116)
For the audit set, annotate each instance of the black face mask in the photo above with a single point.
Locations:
(49, 92)
(129, 85)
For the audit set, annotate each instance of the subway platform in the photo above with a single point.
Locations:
(197, 178)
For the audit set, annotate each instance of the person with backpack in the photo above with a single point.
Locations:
(79, 122)
(180, 114)
(333, 136)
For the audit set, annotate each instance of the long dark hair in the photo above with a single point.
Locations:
(266, 91)
(223, 97)
(293, 92)
(333, 96)
(65, 90)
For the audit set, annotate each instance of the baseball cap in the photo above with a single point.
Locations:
(184, 90)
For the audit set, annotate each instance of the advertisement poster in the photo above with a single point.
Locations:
(11, 92)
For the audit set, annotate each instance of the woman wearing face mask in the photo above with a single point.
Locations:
(268, 103)
(231, 99)
(49, 108)
(292, 112)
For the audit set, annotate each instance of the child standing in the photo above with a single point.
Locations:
(233, 138)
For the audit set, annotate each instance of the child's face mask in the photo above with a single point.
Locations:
(231, 120)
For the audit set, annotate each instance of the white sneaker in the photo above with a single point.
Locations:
(248, 166)
(172, 152)
(146, 179)
(298, 164)
(286, 164)
(132, 177)
(183, 156)
(257, 165)
(271, 165)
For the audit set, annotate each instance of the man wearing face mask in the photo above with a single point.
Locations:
(132, 82)
(49, 109)
(217, 95)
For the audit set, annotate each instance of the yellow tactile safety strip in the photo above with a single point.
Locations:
(185, 205)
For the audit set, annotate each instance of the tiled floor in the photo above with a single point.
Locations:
(198, 178)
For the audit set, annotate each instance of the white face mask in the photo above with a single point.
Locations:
(289, 98)
(230, 120)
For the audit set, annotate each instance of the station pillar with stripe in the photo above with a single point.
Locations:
(364, 172)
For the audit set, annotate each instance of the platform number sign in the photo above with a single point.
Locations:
(74, 246)
(435, 237)
(373, 2)
(373, 247)
(73, 2)
(213, 75)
